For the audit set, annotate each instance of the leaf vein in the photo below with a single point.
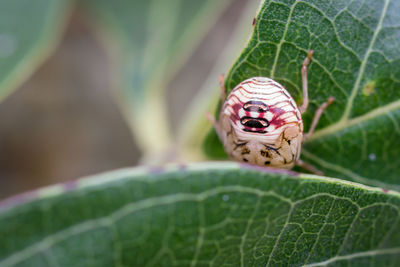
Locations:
(370, 253)
(346, 113)
(278, 47)
(129, 208)
(348, 123)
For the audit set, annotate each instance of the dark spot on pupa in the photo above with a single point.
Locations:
(245, 160)
(256, 106)
(245, 151)
(270, 148)
(267, 162)
(237, 145)
(254, 123)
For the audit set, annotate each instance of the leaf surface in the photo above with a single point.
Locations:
(356, 59)
(29, 31)
(210, 214)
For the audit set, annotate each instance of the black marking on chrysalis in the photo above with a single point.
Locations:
(254, 122)
(254, 105)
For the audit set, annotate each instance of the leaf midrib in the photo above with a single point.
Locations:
(344, 121)
(340, 125)
(278, 50)
(354, 91)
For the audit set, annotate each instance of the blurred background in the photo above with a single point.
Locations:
(63, 122)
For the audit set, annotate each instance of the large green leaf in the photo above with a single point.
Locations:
(151, 40)
(210, 214)
(356, 60)
(28, 33)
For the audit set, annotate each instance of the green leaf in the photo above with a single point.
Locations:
(356, 59)
(211, 214)
(29, 31)
(151, 40)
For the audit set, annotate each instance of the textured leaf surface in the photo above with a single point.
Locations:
(28, 31)
(152, 38)
(356, 60)
(211, 214)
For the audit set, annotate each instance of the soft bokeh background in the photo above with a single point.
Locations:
(63, 122)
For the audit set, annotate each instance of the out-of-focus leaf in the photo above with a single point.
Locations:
(356, 60)
(29, 31)
(151, 39)
(194, 126)
(208, 214)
